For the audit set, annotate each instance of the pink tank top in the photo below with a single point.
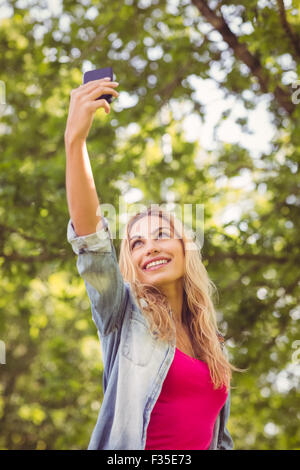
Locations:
(185, 412)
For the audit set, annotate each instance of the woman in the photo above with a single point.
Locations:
(166, 379)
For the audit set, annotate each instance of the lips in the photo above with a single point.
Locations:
(159, 258)
(157, 266)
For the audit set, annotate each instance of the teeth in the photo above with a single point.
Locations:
(154, 263)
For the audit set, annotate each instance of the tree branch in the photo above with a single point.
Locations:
(295, 40)
(242, 53)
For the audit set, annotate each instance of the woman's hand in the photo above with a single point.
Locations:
(83, 105)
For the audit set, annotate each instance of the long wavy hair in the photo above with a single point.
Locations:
(199, 316)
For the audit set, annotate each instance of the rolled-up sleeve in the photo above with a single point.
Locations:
(98, 241)
(97, 264)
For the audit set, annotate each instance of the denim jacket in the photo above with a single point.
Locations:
(135, 362)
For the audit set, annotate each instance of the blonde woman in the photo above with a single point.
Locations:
(166, 378)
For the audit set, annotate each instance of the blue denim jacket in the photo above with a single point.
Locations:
(135, 362)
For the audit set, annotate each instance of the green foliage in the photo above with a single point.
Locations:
(51, 384)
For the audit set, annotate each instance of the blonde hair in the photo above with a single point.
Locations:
(199, 314)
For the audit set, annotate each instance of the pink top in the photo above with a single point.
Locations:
(185, 412)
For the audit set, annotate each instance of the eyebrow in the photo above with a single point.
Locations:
(156, 230)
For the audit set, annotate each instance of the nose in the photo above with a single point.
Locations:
(151, 246)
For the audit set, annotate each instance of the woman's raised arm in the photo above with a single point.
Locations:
(97, 262)
(80, 186)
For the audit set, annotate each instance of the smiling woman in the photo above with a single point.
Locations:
(166, 379)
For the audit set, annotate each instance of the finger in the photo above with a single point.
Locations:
(87, 87)
(99, 104)
(101, 90)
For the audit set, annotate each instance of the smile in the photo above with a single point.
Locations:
(157, 266)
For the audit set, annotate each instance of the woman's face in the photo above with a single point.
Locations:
(152, 237)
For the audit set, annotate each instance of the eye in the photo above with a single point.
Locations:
(164, 232)
(134, 243)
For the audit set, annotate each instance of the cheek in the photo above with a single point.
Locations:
(177, 252)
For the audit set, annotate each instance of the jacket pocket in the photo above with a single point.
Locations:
(139, 343)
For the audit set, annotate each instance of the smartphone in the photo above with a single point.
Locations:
(95, 75)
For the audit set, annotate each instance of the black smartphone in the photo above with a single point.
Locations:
(95, 75)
